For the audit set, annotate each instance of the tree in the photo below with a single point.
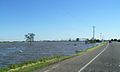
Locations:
(86, 41)
(77, 39)
(69, 39)
(30, 37)
(118, 40)
(112, 39)
(115, 39)
(97, 40)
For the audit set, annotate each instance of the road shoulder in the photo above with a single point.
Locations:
(72, 64)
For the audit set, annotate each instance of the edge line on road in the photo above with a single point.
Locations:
(93, 59)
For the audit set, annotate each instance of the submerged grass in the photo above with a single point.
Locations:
(30, 66)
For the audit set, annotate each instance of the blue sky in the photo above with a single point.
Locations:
(59, 19)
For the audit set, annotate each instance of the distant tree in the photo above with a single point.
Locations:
(86, 41)
(115, 39)
(69, 39)
(118, 40)
(97, 40)
(77, 39)
(112, 39)
(30, 37)
(92, 41)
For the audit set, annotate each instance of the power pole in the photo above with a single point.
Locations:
(93, 32)
(101, 36)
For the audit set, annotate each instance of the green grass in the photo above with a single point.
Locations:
(93, 48)
(30, 66)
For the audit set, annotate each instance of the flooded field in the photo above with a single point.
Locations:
(20, 52)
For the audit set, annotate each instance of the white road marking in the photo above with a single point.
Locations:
(47, 71)
(55, 66)
(119, 65)
(93, 59)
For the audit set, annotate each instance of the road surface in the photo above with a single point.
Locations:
(103, 59)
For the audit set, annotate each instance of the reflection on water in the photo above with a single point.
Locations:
(19, 52)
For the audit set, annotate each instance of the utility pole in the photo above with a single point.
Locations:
(101, 36)
(93, 32)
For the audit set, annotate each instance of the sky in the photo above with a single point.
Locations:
(59, 19)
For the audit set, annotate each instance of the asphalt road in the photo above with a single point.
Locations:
(104, 59)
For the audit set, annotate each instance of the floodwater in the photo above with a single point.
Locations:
(20, 52)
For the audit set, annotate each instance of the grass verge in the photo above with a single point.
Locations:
(30, 66)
